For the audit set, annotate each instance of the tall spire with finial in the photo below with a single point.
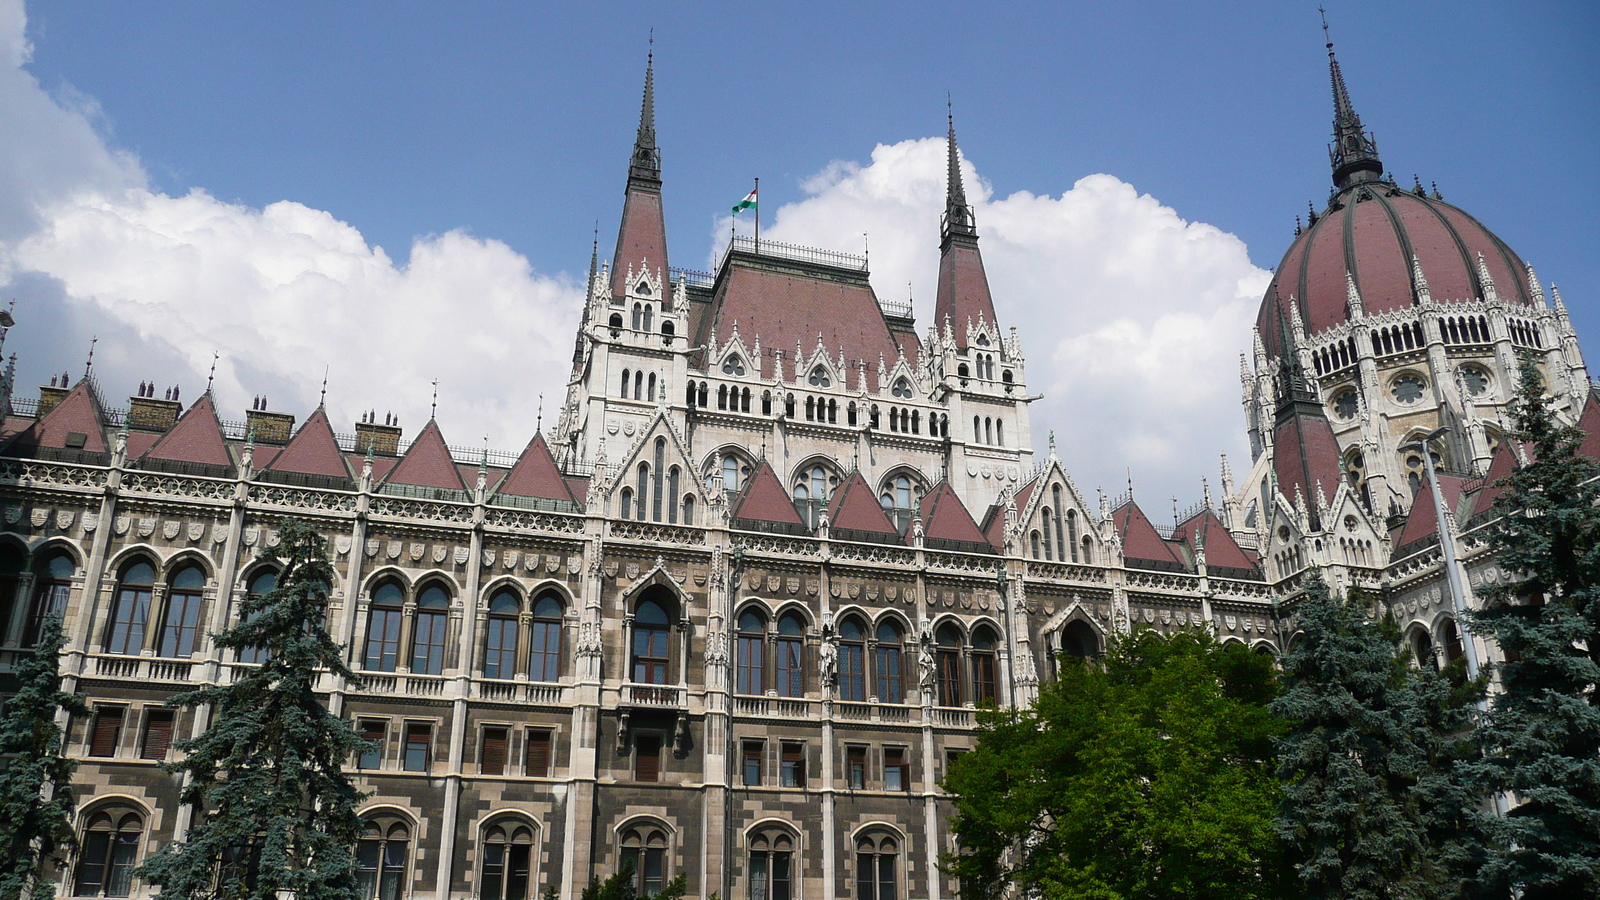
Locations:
(1353, 153)
(642, 237)
(958, 218)
(963, 289)
(646, 156)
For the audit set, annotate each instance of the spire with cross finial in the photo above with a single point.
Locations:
(433, 409)
(1353, 153)
(88, 367)
(963, 287)
(642, 237)
(958, 218)
(212, 375)
(322, 399)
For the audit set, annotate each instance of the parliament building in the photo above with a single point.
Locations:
(732, 617)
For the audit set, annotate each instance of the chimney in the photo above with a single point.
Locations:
(146, 412)
(50, 396)
(383, 439)
(269, 427)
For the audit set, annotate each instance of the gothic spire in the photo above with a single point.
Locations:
(958, 219)
(1353, 153)
(963, 288)
(642, 238)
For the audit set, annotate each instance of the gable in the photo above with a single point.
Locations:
(764, 500)
(427, 463)
(536, 475)
(195, 438)
(1224, 556)
(312, 451)
(946, 522)
(75, 418)
(854, 508)
(1141, 543)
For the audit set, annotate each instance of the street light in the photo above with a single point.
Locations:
(1447, 544)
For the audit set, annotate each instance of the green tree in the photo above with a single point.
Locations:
(1541, 736)
(274, 810)
(32, 828)
(620, 887)
(1374, 806)
(1148, 776)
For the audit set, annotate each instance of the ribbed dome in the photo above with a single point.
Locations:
(1372, 230)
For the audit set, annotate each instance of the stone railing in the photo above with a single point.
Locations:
(187, 487)
(678, 536)
(953, 717)
(774, 707)
(532, 692)
(141, 668)
(302, 498)
(423, 510)
(403, 685)
(661, 696)
(525, 520)
(26, 473)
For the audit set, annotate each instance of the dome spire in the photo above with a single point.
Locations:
(1353, 153)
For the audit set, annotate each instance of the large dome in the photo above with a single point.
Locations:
(1372, 230)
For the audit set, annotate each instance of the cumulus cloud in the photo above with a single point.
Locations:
(1131, 318)
(279, 292)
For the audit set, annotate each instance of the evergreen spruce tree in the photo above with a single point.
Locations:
(33, 829)
(1541, 736)
(274, 810)
(1373, 806)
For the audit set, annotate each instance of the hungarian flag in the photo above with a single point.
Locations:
(749, 202)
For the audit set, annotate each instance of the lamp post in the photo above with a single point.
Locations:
(1447, 545)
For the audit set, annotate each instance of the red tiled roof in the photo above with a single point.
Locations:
(427, 463)
(1221, 549)
(381, 465)
(855, 508)
(1501, 465)
(764, 499)
(786, 308)
(140, 442)
(945, 517)
(196, 438)
(312, 451)
(963, 291)
(1589, 422)
(1423, 520)
(1140, 540)
(579, 486)
(994, 522)
(77, 412)
(642, 236)
(264, 455)
(536, 475)
(13, 426)
(1304, 452)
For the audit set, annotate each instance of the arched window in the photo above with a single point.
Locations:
(381, 858)
(427, 640)
(1045, 515)
(700, 395)
(638, 316)
(644, 852)
(812, 488)
(500, 646)
(850, 413)
(988, 430)
(544, 645)
(897, 501)
(131, 610)
(615, 322)
(890, 668)
(1072, 533)
(983, 665)
(751, 657)
(688, 509)
(667, 328)
(1451, 638)
(52, 587)
(722, 396)
(766, 403)
(1088, 550)
(181, 627)
(648, 315)
(1061, 537)
(833, 412)
(788, 406)
(651, 643)
(108, 850)
(1079, 641)
(744, 400)
(643, 491)
(730, 474)
(650, 388)
(977, 429)
(1422, 649)
(638, 385)
(772, 866)
(383, 627)
(262, 584)
(507, 861)
(627, 503)
(1033, 540)
(852, 661)
(999, 433)
(625, 383)
(672, 496)
(948, 641)
(811, 409)
(877, 868)
(790, 664)
(655, 495)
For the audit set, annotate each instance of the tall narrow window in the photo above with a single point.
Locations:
(896, 772)
(507, 862)
(672, 496)
(655, 497)
(793, 768)
(790, 660)
(890, 664)
(108, 851)
(492, 751)
(855, 768)
(647, 758)
(852, 661)
(157, 734)
(751, 756)
(107, 731)
(626, 382)
(418, 751)
(500, 650)
(650, 642)
(751, 655)
(544, 661)
(771, 867)
(131, 610)
(536, 764)
(381, 857)
(428, 641)
(1046, 516)
(374, 732)
(983, 665)
(638, 385)
(261, 585)
(1072, 533)
(877, 860)
(383, 627)
(644, 491)
(650, 388)
(949, 661)
(730, 474)
(52, 587)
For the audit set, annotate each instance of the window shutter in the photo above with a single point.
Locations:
(157, 734)
(493, 760)
(538, 765)
(647, 759)
(107, 731)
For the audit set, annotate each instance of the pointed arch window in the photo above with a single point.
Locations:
(877, 868)
(651, 643)
(383, 627)
(643, 491)
(819, 378)
(1061, 537)
(733, 365)
(901, 389)
(898, 502)
(131, 610)
(108, 850)
(500, 648)
(655, 495)
(181, 626)
(1045, 516)
(948, 652)
(852, 661)
(626, 381)
(672, 496)
(983, 664)
(771, 866)
(644, 852)
(627, 503)
(751, 657)
(381, 858)
(544, 645)
(507, 861)
(52, 587)
(790, 665)
(638, 385)
(890, 663)
(261, 584)
(428, 628)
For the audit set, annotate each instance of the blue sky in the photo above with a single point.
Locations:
(503, 129)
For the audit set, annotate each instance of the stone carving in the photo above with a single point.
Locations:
(64, 519)
(196, 531)
(147, 527)
(440, 551)
(372, 547)
(392, 550)
(39, 517)
(170, 529)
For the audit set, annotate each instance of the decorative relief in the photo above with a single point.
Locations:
(64, 519)
(91, 521)
(14, 515)
(488, 558)
(511, 558)
(372, 547)
(461, 555)
(342, 544)
(38, 517)
(392, 550)
(417, 549)
(147, 527)
(440, 552)
(196, 531)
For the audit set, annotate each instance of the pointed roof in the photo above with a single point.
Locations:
(536, 474)
(963, 289)
(427, 463)
(764, 499)
(1501, 465)
(1141, 543)
(196, 438)
(77, 413)
(994, 522)
(1224, 556)
(1589, 423)
(642, 235)
(945, 518)
(1423, 520)
(1353, 153)
(854, 508)
(312, 451)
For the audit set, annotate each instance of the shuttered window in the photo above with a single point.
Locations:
(492, 760)
(107, 731)
(647, 758)
(157, 734)
(538, 760)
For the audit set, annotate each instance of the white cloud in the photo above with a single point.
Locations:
(1132, 319)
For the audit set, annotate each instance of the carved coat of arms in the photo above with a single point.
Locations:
(197, 530)
(64, 519)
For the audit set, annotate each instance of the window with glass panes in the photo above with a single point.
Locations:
(261, 584)
(500, 647)
(789, 664)
(948, 639)
(753, 751)
(772, 867)
(890, 664)
(108, 850)
(877, 867)
(896, 772)
(855, 768)
(381, 858)
(428, 627)
(750, 656)
(983, 665)
(418, 749)
(130, 611)
(651, 632)
(544, 661)
(644, 852)
(852, 661)
(793, 765)
(383, 627)
(182, 623)
(507, 861)
(374, 732)
(52, 586)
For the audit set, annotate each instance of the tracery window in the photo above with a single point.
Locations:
(428, 627)
(544, 650)
(507, 861)
(131, 609)
(381, 858)
(877, 867)
(852, 661)
(644, 852)
(500, 643)
(819, 377)
(890, 663)
(771, 866)
(813, 487)
(108, 851)
(52, 587)
(901, 389)
(651, 643)
(898, 501)
(790, 665)
(384, 618)
(182, 623)
(751, 655)
(733, 365)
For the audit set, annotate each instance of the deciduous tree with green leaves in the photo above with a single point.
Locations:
(274, 811)
(34, 829)
(1148, 775)
(1541, 736)
(1374, 806)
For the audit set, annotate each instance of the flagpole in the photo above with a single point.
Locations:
(758, 216)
